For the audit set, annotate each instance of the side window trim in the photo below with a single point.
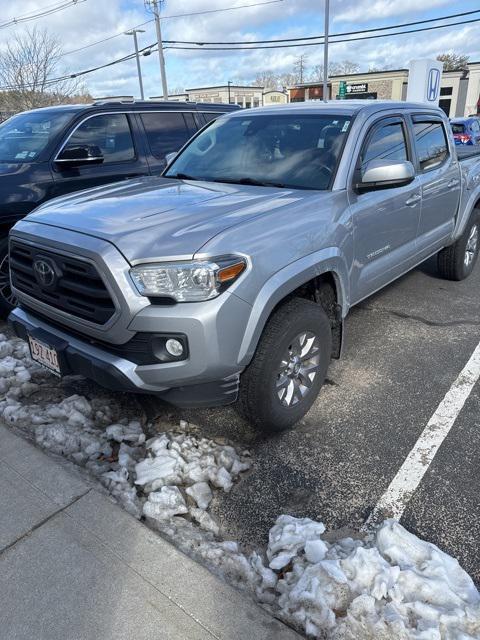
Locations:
(419, 118)
(96, 115)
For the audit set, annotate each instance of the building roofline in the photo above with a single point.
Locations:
(225, 86)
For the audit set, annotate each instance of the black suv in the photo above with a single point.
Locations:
(49, 152)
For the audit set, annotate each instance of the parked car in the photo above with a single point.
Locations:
(49, 152)
(229, 278)
(466, 130)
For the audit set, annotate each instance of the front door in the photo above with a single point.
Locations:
(112, 134)
(385, 220)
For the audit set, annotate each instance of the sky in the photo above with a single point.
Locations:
(92, 20)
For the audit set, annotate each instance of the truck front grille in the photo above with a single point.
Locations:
(75, 287)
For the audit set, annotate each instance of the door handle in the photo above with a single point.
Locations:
(412, 201)
(453, 183)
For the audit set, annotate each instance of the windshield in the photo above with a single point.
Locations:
(291, 151)
(457, 127)
(23, 137)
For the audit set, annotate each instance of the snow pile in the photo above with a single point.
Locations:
(196, 464)
(396, 586)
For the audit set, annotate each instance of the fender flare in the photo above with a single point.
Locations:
(464, 218)
(285, 281)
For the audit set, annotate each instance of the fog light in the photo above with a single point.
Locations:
(174, 347)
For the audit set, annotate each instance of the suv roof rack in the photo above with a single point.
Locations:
(114, 100)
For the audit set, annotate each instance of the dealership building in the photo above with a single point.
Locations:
(459, 90)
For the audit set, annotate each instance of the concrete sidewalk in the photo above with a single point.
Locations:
(75, 566)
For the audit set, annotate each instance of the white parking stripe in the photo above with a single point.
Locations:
(396, 498)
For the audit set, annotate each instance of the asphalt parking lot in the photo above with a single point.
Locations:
(405, 347)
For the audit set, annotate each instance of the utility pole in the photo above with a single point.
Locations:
(325, 51)
(155, 7)
(133, 33)
(229, 83)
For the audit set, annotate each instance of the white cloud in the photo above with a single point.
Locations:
(378, 9)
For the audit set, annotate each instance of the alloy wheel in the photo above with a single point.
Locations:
(298, 369)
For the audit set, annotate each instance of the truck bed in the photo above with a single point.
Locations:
(466, 151)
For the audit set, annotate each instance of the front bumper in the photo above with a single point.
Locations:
(208, 377)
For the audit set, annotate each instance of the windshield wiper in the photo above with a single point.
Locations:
(251, 181)
(183, 176)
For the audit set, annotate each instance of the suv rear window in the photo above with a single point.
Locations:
(458, 128)
(431, 143)
(166, 132)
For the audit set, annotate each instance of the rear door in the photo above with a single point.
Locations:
(439, 177)
(475, 129)
(166, 132)
(112, 133)
(385, 220)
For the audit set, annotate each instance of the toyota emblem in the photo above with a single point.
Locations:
(44, 272)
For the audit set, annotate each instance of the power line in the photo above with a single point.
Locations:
(178, 15)
(47, 11)
(332, 35)
(314, 44)
(151, 48)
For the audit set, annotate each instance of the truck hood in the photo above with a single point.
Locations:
(150, 218)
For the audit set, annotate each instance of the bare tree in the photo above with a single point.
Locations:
(267, 79)
(299, 68)
(345, 67)
(453, 61)
(28, 65)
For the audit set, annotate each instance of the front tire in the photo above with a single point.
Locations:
(7, 299)
(457, 261)
(289, 366)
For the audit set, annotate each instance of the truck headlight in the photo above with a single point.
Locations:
(187, 281)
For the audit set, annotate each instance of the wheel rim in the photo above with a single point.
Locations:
(472, 245)
(298, 369)
(5, 288)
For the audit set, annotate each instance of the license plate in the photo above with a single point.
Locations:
(44, 355)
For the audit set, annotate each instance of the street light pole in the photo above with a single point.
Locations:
(228, 84)
(133, 33)
(156, 12)
(325, 51)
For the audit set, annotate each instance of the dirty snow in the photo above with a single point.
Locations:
(394, 586)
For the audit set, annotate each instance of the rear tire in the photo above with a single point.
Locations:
(7, 299)
(457, 261)
(289, 366)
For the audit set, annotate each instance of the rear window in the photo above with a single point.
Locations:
(458, 128)
(431, 144)
(166, 132)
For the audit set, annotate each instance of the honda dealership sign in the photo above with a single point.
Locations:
(424, 78)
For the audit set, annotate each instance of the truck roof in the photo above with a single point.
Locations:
(346, 107)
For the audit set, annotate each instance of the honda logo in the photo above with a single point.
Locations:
(433, 85)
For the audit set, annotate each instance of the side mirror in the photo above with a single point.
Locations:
(381, 174)
(170, 157)
(79, 155)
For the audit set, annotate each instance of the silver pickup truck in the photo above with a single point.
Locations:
(228, 279)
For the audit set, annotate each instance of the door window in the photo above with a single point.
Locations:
(387, 142)
(431, 143)
(110, 132)
(166, 132)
